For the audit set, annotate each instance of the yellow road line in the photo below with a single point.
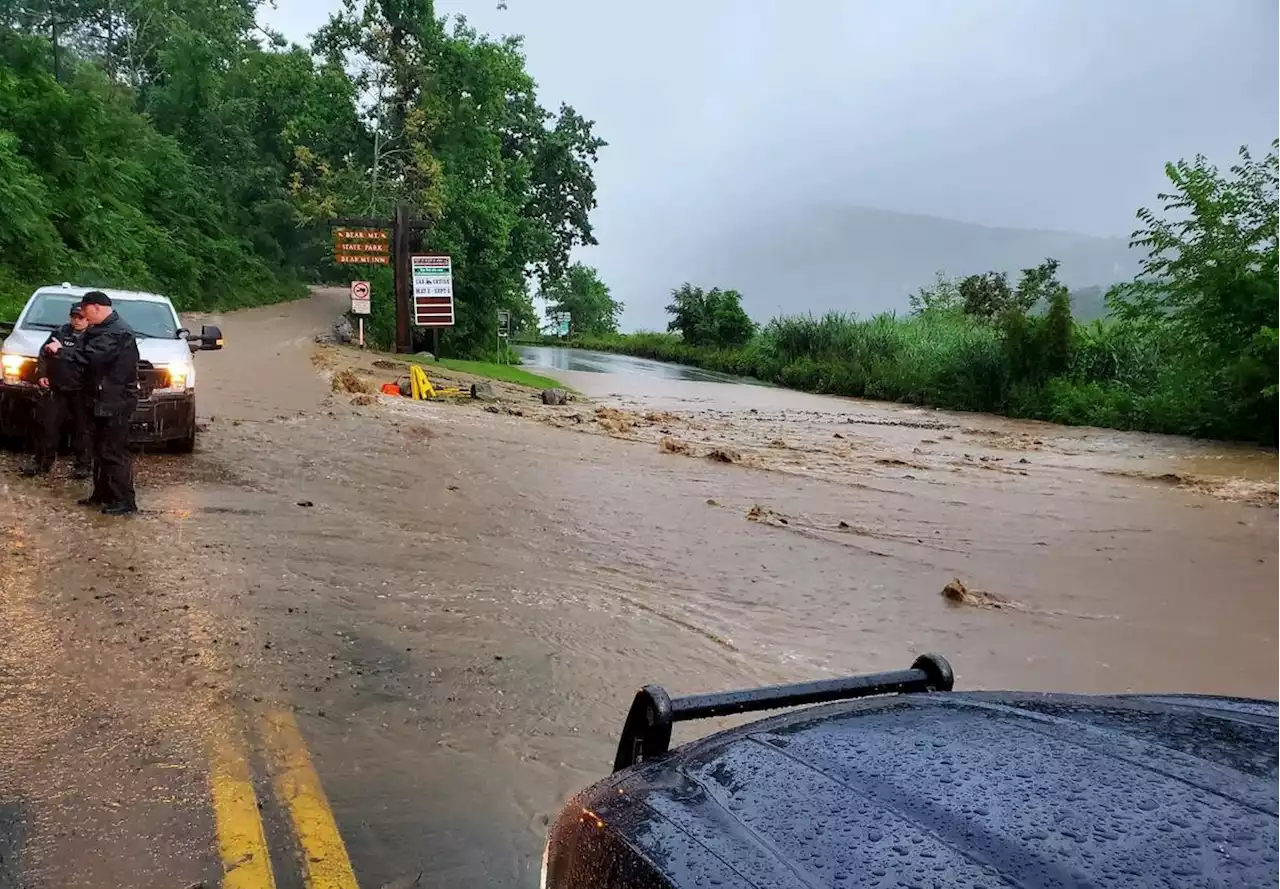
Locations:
(242, 843)
(325, 864)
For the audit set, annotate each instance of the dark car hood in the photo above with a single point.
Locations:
(966, 790)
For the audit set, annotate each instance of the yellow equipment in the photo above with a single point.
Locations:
(421, 389)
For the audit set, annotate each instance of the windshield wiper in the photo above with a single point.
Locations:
(35, 325)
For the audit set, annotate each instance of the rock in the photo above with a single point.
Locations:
(482, 390)
(406, 389)
(554, 397)
(343, 332)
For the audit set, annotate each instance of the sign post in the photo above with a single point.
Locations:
(504, 333)
(432, 275)
(361, 304)
(364, 240)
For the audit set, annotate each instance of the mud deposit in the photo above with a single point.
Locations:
(457, 599)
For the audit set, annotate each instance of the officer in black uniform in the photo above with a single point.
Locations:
(63, 403)
(109, 356)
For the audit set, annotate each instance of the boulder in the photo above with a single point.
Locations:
(343, 332)
(554, 396)
(482, 390)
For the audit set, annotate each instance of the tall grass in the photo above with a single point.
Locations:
(1115, 376)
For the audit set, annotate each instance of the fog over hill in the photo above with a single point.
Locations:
(864, 260)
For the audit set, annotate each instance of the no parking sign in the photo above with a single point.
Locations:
(360, 299)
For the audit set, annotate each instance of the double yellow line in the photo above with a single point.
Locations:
(242, 841)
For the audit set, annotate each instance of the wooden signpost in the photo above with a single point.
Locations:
(373, 240)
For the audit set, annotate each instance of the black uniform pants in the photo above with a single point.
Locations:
(113, 461)
(60, 410)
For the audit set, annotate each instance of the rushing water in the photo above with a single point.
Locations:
(583, 361)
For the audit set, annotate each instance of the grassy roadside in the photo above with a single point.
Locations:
(489, 370)
(506, 373)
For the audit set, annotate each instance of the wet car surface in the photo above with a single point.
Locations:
(956, 789)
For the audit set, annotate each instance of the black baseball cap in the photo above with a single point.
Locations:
(77, 310)
(95, 298)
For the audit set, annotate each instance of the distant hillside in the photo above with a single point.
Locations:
(857, 259)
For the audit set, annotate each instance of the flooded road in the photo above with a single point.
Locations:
(583, 361)
(454, 603)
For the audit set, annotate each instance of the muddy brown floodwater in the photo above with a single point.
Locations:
(458, 602)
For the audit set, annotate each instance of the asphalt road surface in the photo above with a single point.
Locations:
(380, 644)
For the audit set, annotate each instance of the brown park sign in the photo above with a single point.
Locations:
(360, 246)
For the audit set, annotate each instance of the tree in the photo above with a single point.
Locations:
(459, 135)
(581, 293)
(942, 297)
(1208, 286)
(713, 318)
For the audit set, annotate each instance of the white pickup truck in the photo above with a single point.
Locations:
(166, 411)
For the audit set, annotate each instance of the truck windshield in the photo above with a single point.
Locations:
(48, 311)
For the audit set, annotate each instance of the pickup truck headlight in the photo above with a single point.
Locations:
(178, 376)
(14, 367)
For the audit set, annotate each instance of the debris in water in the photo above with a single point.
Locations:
(838, 435)
(305, 503)
(844, 526)
(615, 421)
(364, 399)
(671, 445)
(346, 380)
(759, 513)
(777, 443)
(554, 397)
(384, 364)
(724, 455)
(711, 502)
(960, 594)
(661, 417)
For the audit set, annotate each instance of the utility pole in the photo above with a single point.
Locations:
(400, 256)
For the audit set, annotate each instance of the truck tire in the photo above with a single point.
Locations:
(187, 443)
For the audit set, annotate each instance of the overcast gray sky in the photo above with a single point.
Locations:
(1049, 114)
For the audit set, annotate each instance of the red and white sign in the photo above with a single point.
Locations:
(360, 298)
(432, 277)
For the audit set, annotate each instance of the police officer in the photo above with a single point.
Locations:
(63, 403)
(109, 356)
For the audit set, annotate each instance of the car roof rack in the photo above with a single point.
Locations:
(646, 735)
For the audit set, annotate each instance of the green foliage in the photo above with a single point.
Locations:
(458, 133)
(162, 144)
(711, 318)
(1208, 294)
(581, 293)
